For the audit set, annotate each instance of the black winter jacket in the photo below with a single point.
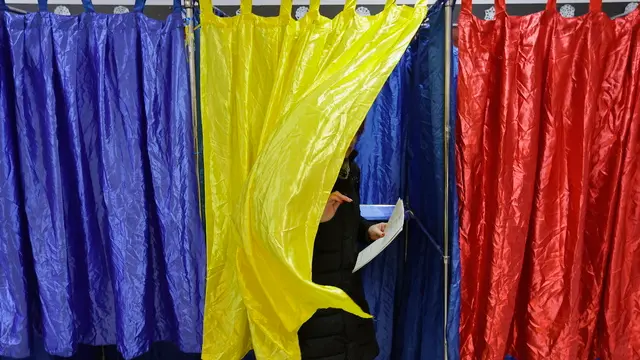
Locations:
(333, 334)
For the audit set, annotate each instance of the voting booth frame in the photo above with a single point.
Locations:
(189, 6)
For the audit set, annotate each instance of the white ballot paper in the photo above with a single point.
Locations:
(394, 227)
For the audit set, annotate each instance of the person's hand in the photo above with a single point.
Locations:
(377, 231)
(335, 200)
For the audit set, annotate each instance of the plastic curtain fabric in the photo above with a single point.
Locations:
(453, 321)
(381, 151)
(383, 154)
(220, 13)
(548, 166)
(196, 34)
(419, 328)
(419, 333)
(100, 239)
(157, 351)
(281, 100)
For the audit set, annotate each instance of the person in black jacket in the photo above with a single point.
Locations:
(333, 334)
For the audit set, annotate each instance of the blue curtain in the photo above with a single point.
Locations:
(401, 154)
(420, 328)
(381, 151)
(100, 238)
(453, 324)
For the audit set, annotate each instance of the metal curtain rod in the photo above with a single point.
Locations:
(448, 50)
(409, 214)
(191, 58)
(16, 10)
(620, 15)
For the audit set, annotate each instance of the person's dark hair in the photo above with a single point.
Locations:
(360, 130)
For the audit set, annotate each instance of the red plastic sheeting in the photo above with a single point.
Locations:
(548, 160)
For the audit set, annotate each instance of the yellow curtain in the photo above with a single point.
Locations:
(281, 100)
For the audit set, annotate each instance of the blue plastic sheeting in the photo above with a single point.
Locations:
(419, 332)
(453, 323)
(101, 239)
(401, 155)
(157, 351)
(380, 156)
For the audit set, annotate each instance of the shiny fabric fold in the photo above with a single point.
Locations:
(419, 332)
(453, 321)
(548, 148)
(381, 154)
(281, 100)
(400, 156)
(100, 238)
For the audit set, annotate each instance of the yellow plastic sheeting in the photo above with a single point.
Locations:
(281, 100)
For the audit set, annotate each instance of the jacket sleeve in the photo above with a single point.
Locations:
(363, 232)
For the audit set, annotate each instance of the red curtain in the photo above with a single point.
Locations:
(548, 155)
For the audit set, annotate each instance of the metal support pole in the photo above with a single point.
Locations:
(16, 10)
(448, 13)
(191, 53)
